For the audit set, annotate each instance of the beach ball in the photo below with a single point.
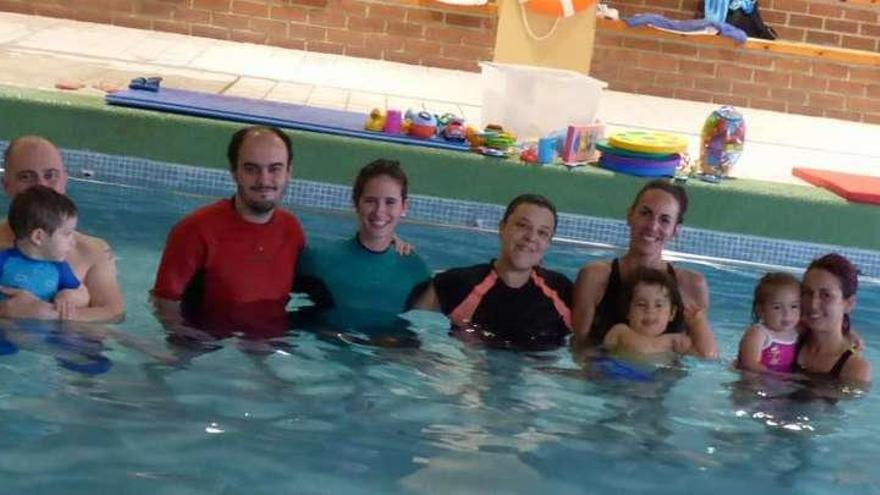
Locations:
(721, 141)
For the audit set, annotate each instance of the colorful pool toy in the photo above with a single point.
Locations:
(375, 121)
(721, 141)
(423, 125)
(649, 142)
(606, 148)
(639, 167)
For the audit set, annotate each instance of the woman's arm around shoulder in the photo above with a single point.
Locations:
(589, 288)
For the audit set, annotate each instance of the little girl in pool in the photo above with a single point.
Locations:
(770, 344)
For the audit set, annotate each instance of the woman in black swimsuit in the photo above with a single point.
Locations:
(654, 218)
(828, 296)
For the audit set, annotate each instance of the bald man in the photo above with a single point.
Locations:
(33, 160)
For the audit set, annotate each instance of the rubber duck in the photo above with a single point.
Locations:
(376, 121)
(474, 137)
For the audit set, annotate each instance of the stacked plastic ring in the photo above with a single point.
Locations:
(642, 153)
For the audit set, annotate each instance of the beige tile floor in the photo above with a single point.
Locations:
(38, 52)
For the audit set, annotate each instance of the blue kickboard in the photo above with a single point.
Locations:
(249, 110)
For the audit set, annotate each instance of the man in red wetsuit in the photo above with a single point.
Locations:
(229, 266)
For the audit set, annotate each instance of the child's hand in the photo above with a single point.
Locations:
(858, 343)
(681, 343)
(66, 310)
(66, 303)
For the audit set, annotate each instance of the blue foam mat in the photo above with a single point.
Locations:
(249, 110)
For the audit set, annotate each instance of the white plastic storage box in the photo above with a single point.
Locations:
(532, 102)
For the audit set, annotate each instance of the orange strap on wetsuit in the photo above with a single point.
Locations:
(560, 306)
(463, 314)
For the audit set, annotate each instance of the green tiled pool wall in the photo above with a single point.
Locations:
(739, 219)
(149, 174)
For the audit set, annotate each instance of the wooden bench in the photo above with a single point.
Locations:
(845, 55)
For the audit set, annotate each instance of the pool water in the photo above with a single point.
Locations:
(325, 417)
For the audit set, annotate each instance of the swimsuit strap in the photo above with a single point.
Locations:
(768, 337)
(841, 362)
(835, 370)
(464, 312)
(607, 312)
(551, 294)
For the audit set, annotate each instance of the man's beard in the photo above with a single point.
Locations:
(260, 207)
(257, 206)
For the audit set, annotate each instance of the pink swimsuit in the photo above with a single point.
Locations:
(779, 351)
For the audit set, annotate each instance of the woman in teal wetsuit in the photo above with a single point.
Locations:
(361, 284)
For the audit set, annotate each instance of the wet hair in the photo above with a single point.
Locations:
(240, 135)
(652, 276)
(846, 273)
(668, 187)
(39, 207)
(530, 199)
(378, 168)
(768, 285)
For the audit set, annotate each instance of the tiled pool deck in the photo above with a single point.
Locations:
(38, 52)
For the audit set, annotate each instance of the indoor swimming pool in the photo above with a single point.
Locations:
(317, 415)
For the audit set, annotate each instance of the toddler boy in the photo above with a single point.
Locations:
(44, 223)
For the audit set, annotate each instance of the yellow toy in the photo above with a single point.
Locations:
(497, 138)
(474, 137)
(649, 142)
(376, 121)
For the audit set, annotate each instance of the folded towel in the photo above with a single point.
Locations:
(687, 26)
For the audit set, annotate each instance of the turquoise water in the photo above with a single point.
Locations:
(323, 417)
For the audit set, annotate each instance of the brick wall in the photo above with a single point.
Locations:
(637, 61)
(640, 61)
(410, 31)
(824, 22)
